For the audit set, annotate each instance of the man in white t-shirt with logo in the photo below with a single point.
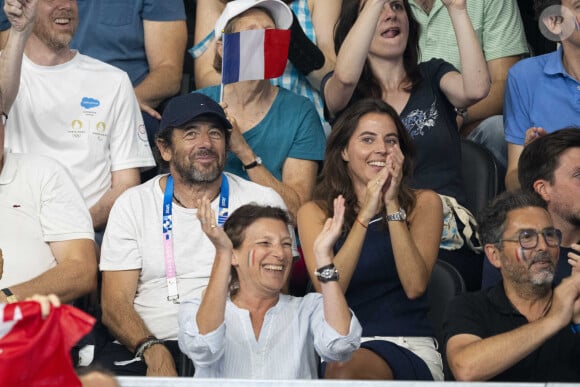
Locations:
(154, 251)
(71, 107)
(46, 235)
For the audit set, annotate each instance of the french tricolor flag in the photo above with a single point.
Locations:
(254, 54)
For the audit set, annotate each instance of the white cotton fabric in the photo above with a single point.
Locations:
(293, 331)
(133, 240)
(39, 203)
(83, 113)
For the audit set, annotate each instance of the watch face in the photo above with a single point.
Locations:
(327, 274)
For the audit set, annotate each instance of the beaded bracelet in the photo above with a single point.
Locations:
(146, 343)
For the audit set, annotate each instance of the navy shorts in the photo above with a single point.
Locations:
(404, 363)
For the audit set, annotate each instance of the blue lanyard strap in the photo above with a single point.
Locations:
(224, 201)
(170, 272)
(169, 258)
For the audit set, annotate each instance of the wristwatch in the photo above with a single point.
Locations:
(327, 273)
(398, 216)
(10, 297)
(253, 164)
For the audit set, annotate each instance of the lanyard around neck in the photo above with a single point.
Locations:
(170, 272)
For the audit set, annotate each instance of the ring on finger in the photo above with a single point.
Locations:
(213, 226)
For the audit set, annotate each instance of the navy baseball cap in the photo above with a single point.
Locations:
(184, 108)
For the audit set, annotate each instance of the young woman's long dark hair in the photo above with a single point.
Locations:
(334, 178)
(368, 85)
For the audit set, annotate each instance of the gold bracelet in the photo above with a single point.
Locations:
(361, 223)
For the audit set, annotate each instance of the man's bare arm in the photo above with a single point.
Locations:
(120, 181)
(511, 177)
(165, 43)
(74, 275)
(119, 315)
(472, 358)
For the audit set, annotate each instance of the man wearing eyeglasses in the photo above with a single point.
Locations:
(550, 167)
(522, 329)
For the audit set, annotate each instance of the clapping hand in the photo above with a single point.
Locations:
(385, 185)
(330, 232)
(574, 257)
(394, 171)
(566, 301)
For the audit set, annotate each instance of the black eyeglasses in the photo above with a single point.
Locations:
(4, 118)
(528, 238)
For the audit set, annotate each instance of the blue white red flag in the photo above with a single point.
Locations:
(254, 54)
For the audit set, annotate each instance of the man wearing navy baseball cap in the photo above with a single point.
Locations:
(154, 252)
(182, 109)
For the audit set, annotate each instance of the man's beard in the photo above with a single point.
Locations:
(521, 274)
(546, 275)
(573, 219)
(53, 39)
(566, 212)
(190, 174)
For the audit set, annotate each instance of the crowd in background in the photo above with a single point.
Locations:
(288, 226)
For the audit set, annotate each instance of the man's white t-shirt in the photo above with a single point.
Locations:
(133, 240)
(39, 203)
(83, 113)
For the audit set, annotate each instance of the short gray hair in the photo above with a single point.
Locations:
(491, 220)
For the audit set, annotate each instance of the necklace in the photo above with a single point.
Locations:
(182, 205)
(178, 201)
(547, 307)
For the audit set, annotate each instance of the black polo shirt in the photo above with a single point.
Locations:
(489, 312)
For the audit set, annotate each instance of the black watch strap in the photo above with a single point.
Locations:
(327, 273)
(253, 164)
(10, 297)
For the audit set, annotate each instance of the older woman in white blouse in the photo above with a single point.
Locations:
(243, 327)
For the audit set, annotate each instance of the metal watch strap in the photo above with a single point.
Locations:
(398, 216)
